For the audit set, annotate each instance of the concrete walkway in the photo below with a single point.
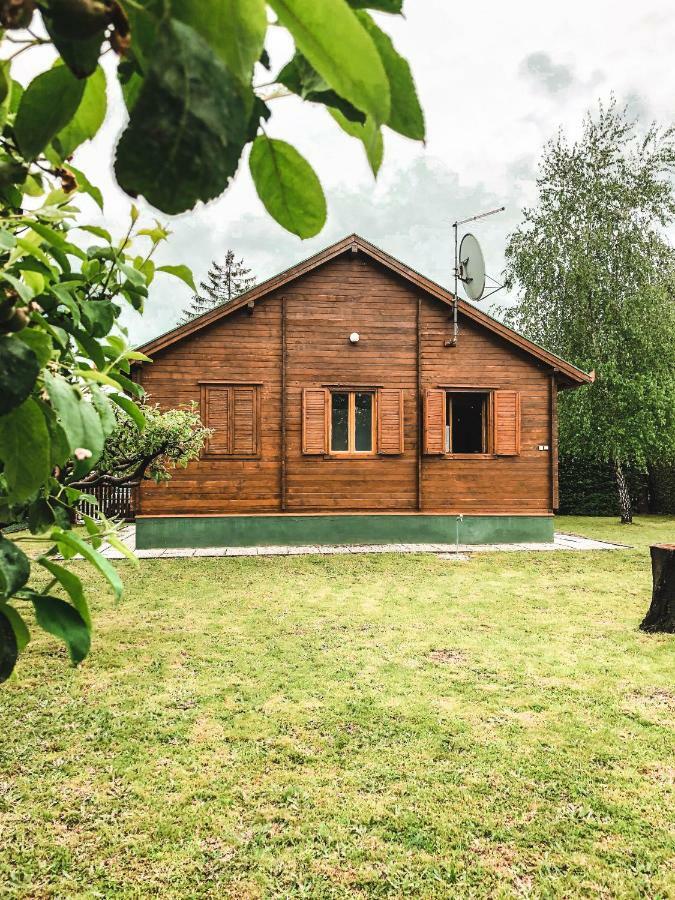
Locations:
(561, 542)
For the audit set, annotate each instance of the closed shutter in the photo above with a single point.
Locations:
(314, 417)
(244, 421)
(507, 423)
(217, 417)
(434, 422)
(390, 421)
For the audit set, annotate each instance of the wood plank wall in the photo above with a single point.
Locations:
(401, 346)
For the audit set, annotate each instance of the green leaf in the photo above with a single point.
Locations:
(97, 231)
(22, 289)
(288, 186)
(104, 409)
(369, 135)
(181, 272)
(71, 584)
(134, 276)
(19, 369)
(86, 187)
(331, 37)
(388, 6)
(39, 342)
(115, 542)
(235, 30)
(24, 449)
(47, 105)
(9, 650)
(130, 409)
(14, 567)
(7, 240)
(5, 90)
(88, 117)
(99, 315)
(77, 37)
(188, 126)
(298, 76)
(77, 417)
(19, 627)
(63, 621)
(75, 545)
(59, 449)
(406, 114)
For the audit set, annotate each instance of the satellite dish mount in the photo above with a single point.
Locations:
(470, 269)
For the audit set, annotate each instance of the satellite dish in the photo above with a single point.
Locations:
(472, 267)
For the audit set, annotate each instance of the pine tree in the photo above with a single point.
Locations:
(223, 283)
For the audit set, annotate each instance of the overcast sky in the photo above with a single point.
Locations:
(496, 81)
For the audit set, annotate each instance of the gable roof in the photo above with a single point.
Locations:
(569, 373)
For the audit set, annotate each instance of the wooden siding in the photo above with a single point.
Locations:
(401, 349)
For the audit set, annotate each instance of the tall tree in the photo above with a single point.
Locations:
(596, 280)
(223, 283)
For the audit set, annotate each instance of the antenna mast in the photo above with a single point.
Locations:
(455, 225)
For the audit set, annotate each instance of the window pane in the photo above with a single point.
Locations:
(339, 422)
(468, 412)
(363, 422)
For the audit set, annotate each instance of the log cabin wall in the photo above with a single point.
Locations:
(351, 293)
(241, 348)
(493, 484)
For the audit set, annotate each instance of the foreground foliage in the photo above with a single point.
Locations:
(196, 82)
(596, 275)
(379, 726)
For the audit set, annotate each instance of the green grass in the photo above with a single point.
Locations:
(351, 726)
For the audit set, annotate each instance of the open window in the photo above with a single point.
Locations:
(471, 422)
(466, 422)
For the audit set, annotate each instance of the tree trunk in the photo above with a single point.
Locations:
(661, 614)
(625, 505)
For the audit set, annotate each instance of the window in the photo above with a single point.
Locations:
(352, 422)
(337, 421)
(466, 417)
(232, 411)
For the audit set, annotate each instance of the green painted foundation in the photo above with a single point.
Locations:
(286, 530)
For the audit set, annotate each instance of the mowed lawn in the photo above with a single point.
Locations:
(351, 726)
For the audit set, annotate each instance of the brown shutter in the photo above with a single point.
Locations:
(390, 421)
(244, 421)
(507, 423)
(217, 416)
(434, 422)
(314, 419)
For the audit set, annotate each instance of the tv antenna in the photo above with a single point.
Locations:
(470, 269)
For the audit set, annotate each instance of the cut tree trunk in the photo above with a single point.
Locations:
(661, 614)
(625, 504)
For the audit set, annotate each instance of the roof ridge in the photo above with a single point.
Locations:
(572, 372)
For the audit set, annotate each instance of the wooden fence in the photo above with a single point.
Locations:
(119, 501)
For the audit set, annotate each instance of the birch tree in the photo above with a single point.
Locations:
(594, 271)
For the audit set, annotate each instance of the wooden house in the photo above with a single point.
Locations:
(342, 412)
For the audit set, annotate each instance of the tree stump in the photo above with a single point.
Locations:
(661, 614)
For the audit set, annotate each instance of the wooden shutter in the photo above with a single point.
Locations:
(314, 420)
(434, 422)
(244, 411)
(390, 421)
(507, 423)
(216, 415)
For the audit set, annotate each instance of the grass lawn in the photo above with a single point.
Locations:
(376, 726)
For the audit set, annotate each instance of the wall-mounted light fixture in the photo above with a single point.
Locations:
(354, 337)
